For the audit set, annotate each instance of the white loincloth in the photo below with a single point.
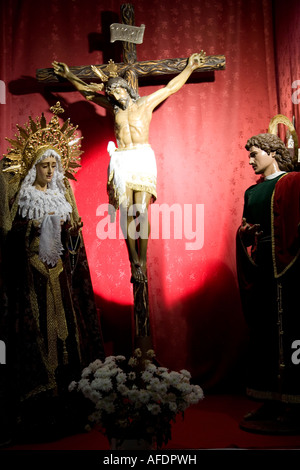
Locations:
(132, 168)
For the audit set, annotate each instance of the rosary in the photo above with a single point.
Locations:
(73, 250)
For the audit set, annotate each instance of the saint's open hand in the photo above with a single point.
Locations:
(250, 230)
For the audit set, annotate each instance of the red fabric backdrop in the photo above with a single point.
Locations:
(287, 54)
(198, 136)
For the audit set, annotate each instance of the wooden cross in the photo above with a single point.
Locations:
(130, 68)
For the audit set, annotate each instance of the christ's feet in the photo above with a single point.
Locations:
(137, 273)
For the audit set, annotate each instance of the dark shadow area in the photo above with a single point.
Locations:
(26, 85)
(116, 323)
(201, 77)
(217, 333)
(101, 41)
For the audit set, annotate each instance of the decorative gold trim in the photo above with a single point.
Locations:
(281, 363)
(245, 250)
(111, 69)
(119, 198)
(56, 318)
(142, 187)
(267, 395)
(281, 119)
(38, 136)
(276, 274)
(134, 147)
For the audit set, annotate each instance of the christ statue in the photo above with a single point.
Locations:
(132, 169)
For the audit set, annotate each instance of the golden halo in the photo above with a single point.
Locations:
(281, 119)
(37, 135)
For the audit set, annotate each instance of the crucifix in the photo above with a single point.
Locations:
(131, 69)
(132, 168)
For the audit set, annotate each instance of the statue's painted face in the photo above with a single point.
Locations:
(263, 163)
(44, 171)
(121, 96)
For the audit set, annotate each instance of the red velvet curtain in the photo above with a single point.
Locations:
(287, 59)
(198, 136)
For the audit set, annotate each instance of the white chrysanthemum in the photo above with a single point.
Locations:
(151, 353)
(147, 376)
(162, 369)
(106, 402)
(121, 378)
(120, 358)
(96, 383)
(95, 417)
(105, 372)
(95, 365)
(83, 383)
(195, 396)
(105, 385)
(109, 407)
(131, 376)
(182, 406)
(86, 391)
(72, 386)
(86, 372)
(151, 367)
(198, 390)
(173, 407)
(155, 397)
(192, 398)
(122, 389)
(133, 395)
(154, 382)
(138, 352)
(94, 396)
(159, 387)
(165, 375)
(146, 363)
(132, 362)
(183, 387)
(154, 408)
(174, 378)
(110, 360)
(144, 396)
(186, 373)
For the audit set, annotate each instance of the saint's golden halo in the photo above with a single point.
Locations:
(281, 119)
(38, 136)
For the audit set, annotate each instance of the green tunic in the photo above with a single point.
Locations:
(257, 204)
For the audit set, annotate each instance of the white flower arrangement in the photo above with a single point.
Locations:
(135, 398)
